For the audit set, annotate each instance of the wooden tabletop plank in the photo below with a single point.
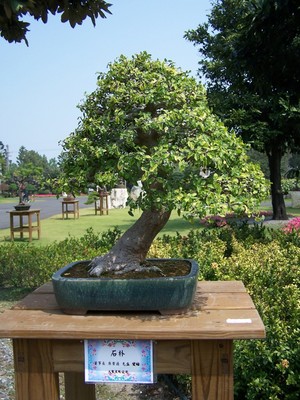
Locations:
(209, 324)
(35, 301)
(209, 295)
(221, 286)
(222, 301)
(46, 288)
(202, 301)
(221, 310)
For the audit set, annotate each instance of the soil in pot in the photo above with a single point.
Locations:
(167, 268)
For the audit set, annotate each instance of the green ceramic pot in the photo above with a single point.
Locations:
(165, 294)
(22, 207)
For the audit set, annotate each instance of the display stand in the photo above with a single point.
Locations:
(102, 205)
(70, 207)
(24, 227)
(198, 342)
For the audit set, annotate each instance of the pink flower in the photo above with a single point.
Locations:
(292, 226)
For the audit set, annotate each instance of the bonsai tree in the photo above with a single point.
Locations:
(22, 176)
(149, 121)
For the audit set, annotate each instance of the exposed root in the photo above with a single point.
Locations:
(100, 265)
(139, 268)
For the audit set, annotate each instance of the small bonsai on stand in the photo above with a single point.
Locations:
(21, 177)
(149, 121)
(23, 197)
(24, 203)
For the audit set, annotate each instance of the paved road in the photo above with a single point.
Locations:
(49, 206)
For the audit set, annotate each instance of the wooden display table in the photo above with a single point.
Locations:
(199, 342)
(102, 205)
(23, 227)
(70, 207)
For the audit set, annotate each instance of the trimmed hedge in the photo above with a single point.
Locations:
(266, 260)
(28, 265)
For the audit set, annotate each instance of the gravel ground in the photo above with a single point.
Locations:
(7, 389)
(157, 391)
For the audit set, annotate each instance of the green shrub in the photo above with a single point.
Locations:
(267, 261)
(287, 185)
(202, 245)
(268, 369)
(27, 265)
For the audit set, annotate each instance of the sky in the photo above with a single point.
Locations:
(41, 85)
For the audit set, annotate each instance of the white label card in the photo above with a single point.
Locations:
(239, 321)
(123, 361)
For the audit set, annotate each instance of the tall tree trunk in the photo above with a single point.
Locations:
(275, 154)
(131, 249)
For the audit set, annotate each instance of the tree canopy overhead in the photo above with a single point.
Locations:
(250, 52)
(149, 121)
(13, 28)
(272, 43)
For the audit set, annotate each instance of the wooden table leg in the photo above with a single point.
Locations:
(212, 370)
(101, 206)
(77, 389)
(38, 221)
(21, 226)
(35, 378)
(11, 217)
(30, 227)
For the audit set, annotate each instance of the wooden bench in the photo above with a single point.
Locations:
(198, 342)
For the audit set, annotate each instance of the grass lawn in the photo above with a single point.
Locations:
(57, 229)
(9, 200)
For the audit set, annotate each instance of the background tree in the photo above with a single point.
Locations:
(52, 169)
(3, 158)
(33, 169)
(25, 177)
(149, 121)
(31, 156)
(14, 29)
(250, 52)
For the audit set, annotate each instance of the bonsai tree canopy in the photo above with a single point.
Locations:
(24, 175)
(149, 121)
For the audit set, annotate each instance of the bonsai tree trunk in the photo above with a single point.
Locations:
(131, 249)
(278, 204)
